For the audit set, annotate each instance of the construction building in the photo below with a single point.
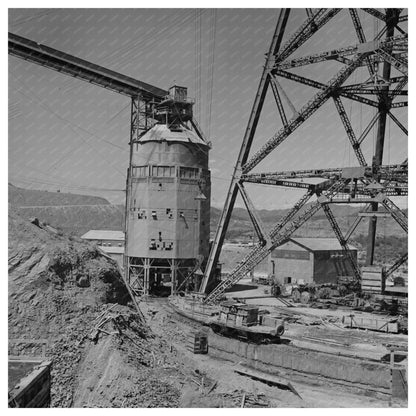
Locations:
(109, 241)
(168, 199)
(314, 260)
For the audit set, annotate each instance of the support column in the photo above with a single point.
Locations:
(392, 16)
(244, 150)
(139, 123)
(174, 275)
(146, 277)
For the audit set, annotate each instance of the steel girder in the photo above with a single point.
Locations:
(279, 235)
(396, 265)
(342, 240)
(304, 113)
(139, 124)
(395, 42)
(336, 187)
(349, 130)
(79, 68)
(244, 149)
(319, 85)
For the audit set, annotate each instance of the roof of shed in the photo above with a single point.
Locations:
(103, 235)
(319, 243)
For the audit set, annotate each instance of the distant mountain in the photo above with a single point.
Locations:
(29, 197)
(272, 215)
(71, 213)
(78, 214)
(240, 226)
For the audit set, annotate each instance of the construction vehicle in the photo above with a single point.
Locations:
(303, 292)
(247, 323)
(390, 292)
(230, 318)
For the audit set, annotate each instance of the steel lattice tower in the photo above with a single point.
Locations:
(370, 183)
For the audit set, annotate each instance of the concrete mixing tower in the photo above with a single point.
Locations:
(168, 200)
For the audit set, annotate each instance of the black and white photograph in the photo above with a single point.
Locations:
(207, 206)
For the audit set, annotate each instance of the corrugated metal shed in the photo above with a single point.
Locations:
(103, 235)
(318, 243)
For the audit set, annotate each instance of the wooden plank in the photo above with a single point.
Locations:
(370, 286)
(369, 279)
(28, 341)
(396, 289)
(370, 283)
(18, 393)
(23, 358)
(212, 387)
(268, 379)
(384, 325)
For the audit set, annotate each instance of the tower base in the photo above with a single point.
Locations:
(160, 277)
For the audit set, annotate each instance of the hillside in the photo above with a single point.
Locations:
(77, 220)
(71, 213)
(77, 214)
(240, 227)
(60, 292)
(30, 197)
(56, 287)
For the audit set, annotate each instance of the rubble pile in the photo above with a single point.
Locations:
(148, 391)
(240, 398)
(66, 355)
(57, 289)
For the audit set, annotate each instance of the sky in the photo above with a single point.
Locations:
(70, 135)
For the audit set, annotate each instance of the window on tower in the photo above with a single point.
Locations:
(163, 171)
(139, 171)
(189, 173)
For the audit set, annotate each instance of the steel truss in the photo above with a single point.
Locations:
(371, 183)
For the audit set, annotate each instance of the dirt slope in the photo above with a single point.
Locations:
(58, 291)
(29, 197)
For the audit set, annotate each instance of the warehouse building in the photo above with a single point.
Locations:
(111, 242)
(315, 260)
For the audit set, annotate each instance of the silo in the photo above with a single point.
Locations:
(168, 200)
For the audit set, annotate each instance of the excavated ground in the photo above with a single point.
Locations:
(65, 292)
(231, 387)
(59, 291)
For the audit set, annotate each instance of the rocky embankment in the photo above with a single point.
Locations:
(64, 293)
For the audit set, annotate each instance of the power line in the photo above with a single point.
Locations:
(198, 63)
(129, 46)
(211, 65)
(176, 25)
(69, 124)
(25, 20)
(118, 113)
